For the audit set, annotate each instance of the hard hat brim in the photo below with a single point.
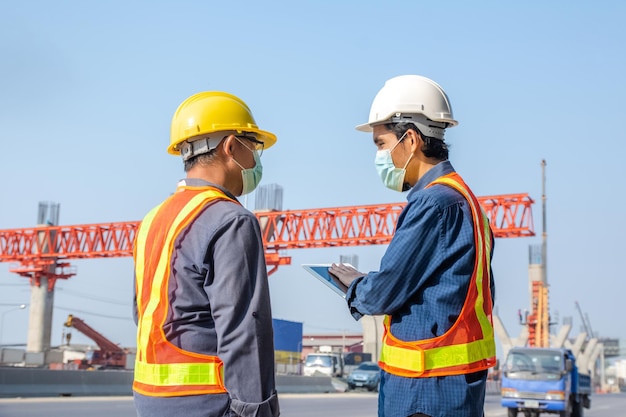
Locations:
(365, 127)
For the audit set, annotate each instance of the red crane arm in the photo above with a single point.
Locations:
(105, 344)
(38, 247)
(510, 216)
(101, 240)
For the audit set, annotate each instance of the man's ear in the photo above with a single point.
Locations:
(415, 139)
(227, 145)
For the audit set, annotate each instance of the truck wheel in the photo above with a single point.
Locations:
(577, 410)
(512, 412)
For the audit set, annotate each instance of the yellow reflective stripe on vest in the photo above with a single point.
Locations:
(140, 254)
(480, 219)
(164, 259)
(403, 358)
(442, 357)
(176, 374)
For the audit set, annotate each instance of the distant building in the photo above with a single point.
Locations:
(339, 342)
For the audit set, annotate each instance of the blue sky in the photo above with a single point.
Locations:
(88, 89)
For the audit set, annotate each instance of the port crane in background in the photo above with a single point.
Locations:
(585, 320)
(110, 355)
(45, 251)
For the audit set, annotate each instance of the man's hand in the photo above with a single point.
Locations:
(345, 274)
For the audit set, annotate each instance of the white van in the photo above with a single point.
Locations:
(323, 363)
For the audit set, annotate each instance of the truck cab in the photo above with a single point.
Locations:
(329, 364)
(544, 380)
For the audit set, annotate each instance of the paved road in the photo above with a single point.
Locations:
(353, 404)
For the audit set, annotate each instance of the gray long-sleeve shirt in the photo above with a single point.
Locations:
(220, 305)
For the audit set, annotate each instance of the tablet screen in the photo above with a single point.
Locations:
(320, 271)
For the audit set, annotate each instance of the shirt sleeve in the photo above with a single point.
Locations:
(238, 292)
(427, 241)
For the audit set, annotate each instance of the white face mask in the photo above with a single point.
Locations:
(251, 177)
(392, 177)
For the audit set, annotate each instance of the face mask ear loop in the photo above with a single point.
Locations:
(407, 162)
(397, 143)
(240, 166)
(394, 147)
(251, 150)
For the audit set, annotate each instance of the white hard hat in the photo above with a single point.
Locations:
(415, 99)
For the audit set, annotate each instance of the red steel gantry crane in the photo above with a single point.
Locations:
(45, 251)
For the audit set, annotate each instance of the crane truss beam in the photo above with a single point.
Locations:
(34, 248)
(509, 215)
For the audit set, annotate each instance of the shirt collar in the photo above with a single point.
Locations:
(197, 182)
(441, 169)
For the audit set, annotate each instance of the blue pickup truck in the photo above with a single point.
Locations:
(544, 380)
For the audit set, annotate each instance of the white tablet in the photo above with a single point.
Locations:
(320, 271)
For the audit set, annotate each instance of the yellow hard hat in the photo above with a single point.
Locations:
(213, 111)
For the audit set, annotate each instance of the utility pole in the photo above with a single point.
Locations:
(545, 311)
(544, 233)
(538, 321)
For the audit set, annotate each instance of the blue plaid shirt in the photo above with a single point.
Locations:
(423, 281)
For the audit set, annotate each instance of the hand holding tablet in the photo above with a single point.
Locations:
(331, 279)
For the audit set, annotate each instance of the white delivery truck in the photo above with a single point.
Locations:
(323, 362)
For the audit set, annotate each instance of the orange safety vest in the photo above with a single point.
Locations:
(469, 345)
(161, 368)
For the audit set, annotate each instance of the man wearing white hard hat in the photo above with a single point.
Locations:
(435, 285)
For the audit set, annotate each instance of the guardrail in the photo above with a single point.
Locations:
(36, 382)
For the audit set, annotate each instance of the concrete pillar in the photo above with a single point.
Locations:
(584, 358)
(602, 368)
(522, 339)
(40, 319)
(598, 351)
(578, 344)
(41, 301)
(372, 335)
(558, 341)
(502, 335)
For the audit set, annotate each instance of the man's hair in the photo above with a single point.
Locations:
(203, 159)
(433, 147)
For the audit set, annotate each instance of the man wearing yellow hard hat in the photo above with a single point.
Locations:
(202, 306)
